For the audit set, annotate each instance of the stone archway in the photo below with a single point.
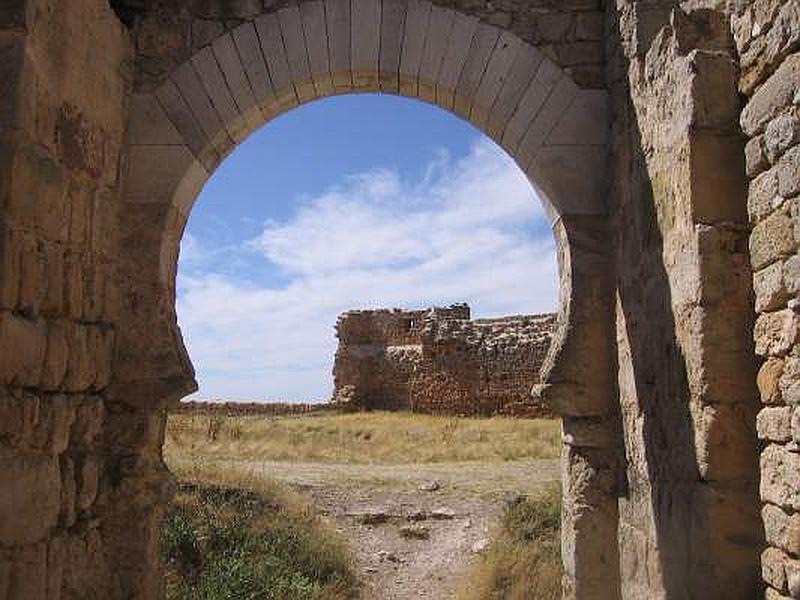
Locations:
(185, 121)
(108, 128)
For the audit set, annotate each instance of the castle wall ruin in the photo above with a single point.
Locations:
(662, 138)
(439, 361)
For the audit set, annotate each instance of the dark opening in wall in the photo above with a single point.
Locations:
(128, 10)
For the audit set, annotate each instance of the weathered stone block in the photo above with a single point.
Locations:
(67, 513)
(55, 567)
(767, 50)
(755, 156)
(773, 594)
(791, 274)
(768, 285)
(28, 574)
(753, 21)
(89, 418)
(28, 338)
(81, 367)
(772, 97)
(775, 423)
(56, 356)
(553, 27)
(789, 382)
(796, 424)
(763, 196)
(772, 569)
(32, 423)
(781, 133)
(204, 31)
(88, 472)
(780, 477)
(775, 333)
(767, 380)
(725, 444)
(782, 529)
(32, 281)
(101, 350)
(52, 298)
(772, 239)
(29, 496)
(792, 568)
(74, 285)
(789, 173)
(10, 250)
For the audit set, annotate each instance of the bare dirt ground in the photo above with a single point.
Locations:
(411, 540)
(413, 527)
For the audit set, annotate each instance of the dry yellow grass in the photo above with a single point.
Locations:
(523, 561)
(364, 438)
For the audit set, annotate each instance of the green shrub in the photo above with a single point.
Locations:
(226, 544)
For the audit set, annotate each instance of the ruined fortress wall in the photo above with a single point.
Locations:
(767, 36)
(438, 360)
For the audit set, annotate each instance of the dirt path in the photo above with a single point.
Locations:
(410, 540)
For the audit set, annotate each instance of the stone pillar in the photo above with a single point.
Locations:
(688, 522)
(579, 385)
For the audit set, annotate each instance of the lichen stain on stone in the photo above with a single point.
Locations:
(81, 145)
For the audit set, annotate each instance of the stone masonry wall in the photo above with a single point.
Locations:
(767, 35)
(438, 360)
(660, 448)
(688, 520)
(80, 471)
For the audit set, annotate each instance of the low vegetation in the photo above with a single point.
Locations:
(374, 437)
(222, 543)
(523, 562)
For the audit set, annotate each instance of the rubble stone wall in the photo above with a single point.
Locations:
(767, 36)
(440, 361)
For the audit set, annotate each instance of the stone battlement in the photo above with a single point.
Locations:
(438, 360)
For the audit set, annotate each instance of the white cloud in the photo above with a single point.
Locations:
(472, 230)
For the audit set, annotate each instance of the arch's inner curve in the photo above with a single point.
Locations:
(182, 124)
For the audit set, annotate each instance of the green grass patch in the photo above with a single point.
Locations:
(224, 544)
(524, 561)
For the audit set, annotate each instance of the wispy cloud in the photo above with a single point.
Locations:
(471, 230)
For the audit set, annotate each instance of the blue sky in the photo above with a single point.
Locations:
(350, 202)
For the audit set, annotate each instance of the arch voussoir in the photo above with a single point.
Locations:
(440, 26)
(248, 46)
(269, 32)
(312, 15)
(233, 71)
(337, 17)
(366, 30)
(207, 69)
(455, 55)
(496, 73)
(294, 42)
(193, 91)
(523, 70)
(414, 32)
(476, 60)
